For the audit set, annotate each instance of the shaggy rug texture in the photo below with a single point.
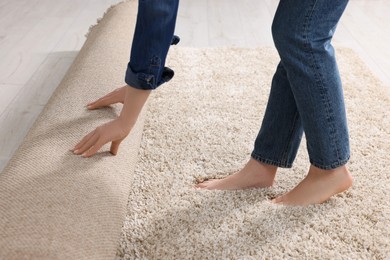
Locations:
(203, 125)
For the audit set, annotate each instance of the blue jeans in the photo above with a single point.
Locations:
(153, 36)
(306, 92)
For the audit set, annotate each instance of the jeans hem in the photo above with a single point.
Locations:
(330, 166)
(269, 161)
(140, 80)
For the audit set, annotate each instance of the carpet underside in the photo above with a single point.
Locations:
(56, 205)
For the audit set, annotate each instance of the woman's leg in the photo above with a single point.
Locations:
(277, 142)
(306, 92)
(281, 131)
(302, 35)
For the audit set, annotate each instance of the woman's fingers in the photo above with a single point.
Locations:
(94, 148)
(116, 96)
(115, 146)
(88, 144)
(101, 102)
(82, 142)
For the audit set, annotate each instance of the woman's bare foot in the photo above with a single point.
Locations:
(317, 187)
(253, 175)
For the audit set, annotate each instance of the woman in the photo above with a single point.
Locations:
(306, 96)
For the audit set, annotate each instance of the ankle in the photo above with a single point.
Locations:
(259, 175)
(340, 175)
(339, 170)
(260, 165)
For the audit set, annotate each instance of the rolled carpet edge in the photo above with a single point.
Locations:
(57, 205)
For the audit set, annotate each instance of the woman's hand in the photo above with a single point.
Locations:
(116, 130)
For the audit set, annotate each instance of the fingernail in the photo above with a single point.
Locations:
(76, 151)
(84, 155)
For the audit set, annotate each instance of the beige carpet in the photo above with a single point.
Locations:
(56, 205)
(203, 124)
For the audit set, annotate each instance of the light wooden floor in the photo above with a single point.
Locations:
(39, 39)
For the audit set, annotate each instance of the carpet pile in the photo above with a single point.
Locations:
(203, 125)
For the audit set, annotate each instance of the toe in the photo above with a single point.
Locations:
(278, 200)
(201, 185)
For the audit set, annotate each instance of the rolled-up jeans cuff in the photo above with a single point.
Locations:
(140, 80)
(147, 81)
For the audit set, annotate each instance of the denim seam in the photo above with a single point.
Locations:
(330, 166)
(288, 146)
(269, 161)
(319, 78)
